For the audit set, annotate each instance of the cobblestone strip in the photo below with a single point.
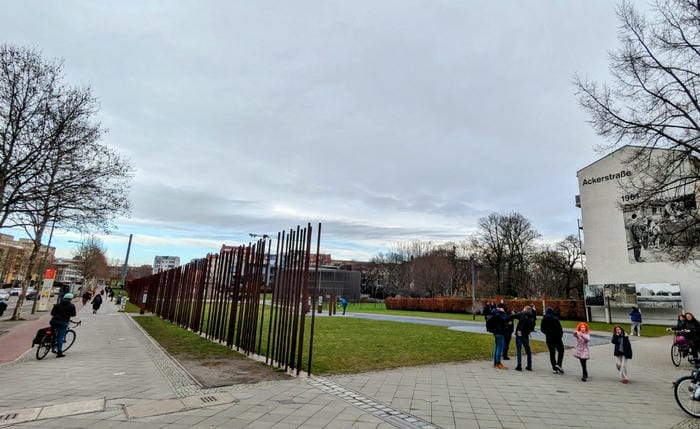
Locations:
(180, 380)
(390, 415)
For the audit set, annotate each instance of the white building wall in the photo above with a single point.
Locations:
(608, 259)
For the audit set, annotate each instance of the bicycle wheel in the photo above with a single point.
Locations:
(69, 340)
(44, 347)
(676, 355)
(684, 390)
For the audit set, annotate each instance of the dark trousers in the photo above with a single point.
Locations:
(556, 352)
(584, 371)
(506, 342)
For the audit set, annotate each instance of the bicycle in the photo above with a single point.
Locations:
(49, 340)
(687, 391)
(682, 348)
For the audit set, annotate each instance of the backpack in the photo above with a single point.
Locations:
(490, 323)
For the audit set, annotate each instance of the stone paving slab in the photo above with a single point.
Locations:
(114, 361)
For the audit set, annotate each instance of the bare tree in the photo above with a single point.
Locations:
(653, 103)
(72, 181)
(432, 274)
(556, 268)
(504, 242)
(28, 86)
(93, 262)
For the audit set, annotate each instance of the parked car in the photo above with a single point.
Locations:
(31, 294)
(15, 291)
(4, 294)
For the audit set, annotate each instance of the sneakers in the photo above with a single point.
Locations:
(518, 368)
(625, 381)
(500, 366)
(584, 378)
(558, 370)
(60, 355)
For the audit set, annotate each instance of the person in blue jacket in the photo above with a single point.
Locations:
(636, 318)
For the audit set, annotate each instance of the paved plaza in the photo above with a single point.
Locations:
(115, 376)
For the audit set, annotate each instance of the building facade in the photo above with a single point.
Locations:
(14, 258)
(628, 245)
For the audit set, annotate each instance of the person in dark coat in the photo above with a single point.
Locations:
(60, 316)
(622, 351)
(526, 324)
(96, 303)
(508, 333)
(498, 322)
(692, 328)
(551, 328)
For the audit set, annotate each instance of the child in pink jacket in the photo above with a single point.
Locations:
(582, 352)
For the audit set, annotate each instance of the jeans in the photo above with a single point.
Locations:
(524, 342)
(498, 350)
(61, 327)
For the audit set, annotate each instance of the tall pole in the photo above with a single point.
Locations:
(473, 263)
(125, 268)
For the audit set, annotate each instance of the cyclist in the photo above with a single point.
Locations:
(61, 314)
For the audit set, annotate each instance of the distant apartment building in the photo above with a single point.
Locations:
(14, 258)
(164, 263)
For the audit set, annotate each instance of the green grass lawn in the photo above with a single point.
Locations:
(348, 345)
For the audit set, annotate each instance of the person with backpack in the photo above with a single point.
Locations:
(61, 314)
(526, 324)
(553, 332)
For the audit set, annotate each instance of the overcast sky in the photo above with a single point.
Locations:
(387, 121)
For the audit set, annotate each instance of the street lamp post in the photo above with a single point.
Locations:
(473, 266)
(124, 269)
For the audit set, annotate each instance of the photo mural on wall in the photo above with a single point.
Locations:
(655, 227)
(643, 295)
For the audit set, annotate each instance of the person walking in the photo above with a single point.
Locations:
(96, 303)
(526, 324)
(553, 332)
(60, 316)
(622, 351)
(582, 352)
(86, 297)
(636, 318)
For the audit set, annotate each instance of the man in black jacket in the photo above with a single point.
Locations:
(61, 314)
(526, 324)
(551, 328)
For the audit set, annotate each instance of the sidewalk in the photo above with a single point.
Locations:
(115, 376)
